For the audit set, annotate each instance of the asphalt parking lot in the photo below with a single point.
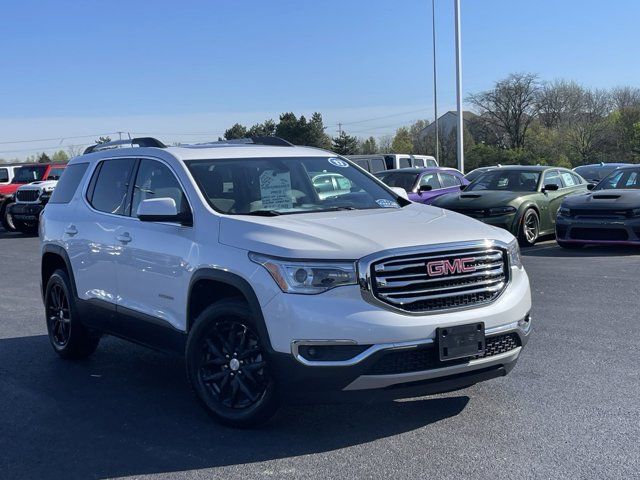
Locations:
(570, 409)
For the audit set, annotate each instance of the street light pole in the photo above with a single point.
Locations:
(435, 78)
(460, 143)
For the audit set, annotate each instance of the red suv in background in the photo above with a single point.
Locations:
(23, 175)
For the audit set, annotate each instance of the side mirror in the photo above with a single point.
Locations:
(425, 188)
(401, 192)
(591, 186)
(162, 210)
(552, 187)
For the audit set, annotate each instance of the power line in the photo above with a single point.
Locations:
(385, 116)
(58, 138)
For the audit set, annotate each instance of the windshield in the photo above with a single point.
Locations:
(29, 174)
(275, 186)
(507, 180)
(622, 179)
(405, 180)
(596, 173)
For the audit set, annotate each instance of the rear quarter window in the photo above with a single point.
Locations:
(70, 178)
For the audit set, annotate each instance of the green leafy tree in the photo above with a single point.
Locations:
(236, 131)
(345, 144)
(43, 158)
(316, 136)
(402, 141)
(420, 145)
(368, 146)
(60, 156)
(102, 140)
(265, 129)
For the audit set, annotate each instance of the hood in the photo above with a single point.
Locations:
(9, 189)
(604, 199)
(478, 200)
(40, 185)
(353, 234)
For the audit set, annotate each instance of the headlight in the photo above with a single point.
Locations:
(564, 212)
(293, 276)
(513, 249)
(501, 211)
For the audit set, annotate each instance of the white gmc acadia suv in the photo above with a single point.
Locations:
(229, 254)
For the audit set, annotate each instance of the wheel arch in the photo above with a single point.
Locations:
(224, 285)
(521, 211)
(53, 258)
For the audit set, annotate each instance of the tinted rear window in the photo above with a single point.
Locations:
(4, 175)
(377, 165)
(110, 190)
(68, 184)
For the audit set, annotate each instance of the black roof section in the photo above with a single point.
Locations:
(140, 142)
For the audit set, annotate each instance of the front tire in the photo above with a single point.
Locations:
(529, 230)
(7, 219)
(26, 228)
(227, 367)
(68, 336)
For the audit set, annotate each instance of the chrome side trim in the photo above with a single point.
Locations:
(489, 332)
(366, 382)
(363, 271)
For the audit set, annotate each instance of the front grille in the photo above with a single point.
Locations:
(27, 195)
(606, 234)
(433, 281)
(599, 213)
(426, 358)
(636, 230)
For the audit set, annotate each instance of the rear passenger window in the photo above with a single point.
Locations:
(418, 162)
(431, 163)
(4, 175)
(377, 165)
(405, 162)
(568, 179)
(156, 180)
(112, 183)
(449, 180)
(68, 184)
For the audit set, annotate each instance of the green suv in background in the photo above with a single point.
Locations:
(521, 199)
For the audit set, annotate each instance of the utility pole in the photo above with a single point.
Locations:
(339, 128)
(435, 78)
(459, 88)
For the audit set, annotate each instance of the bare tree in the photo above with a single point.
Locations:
(74, 150)
(559, 101)
(590, 130)
(510, 106)
(625, 97)
(385, 144)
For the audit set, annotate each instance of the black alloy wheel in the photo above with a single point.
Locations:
(58, 316)
(227, 366)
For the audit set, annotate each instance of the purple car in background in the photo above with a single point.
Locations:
(423, 185)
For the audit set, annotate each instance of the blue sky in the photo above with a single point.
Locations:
(177, 69)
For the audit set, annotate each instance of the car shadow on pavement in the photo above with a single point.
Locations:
(4, 234)
(128, 411)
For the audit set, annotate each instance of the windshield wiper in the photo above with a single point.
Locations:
(333, 209)
(264, 213)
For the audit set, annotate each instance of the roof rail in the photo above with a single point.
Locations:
(140, 142)
(264, 140)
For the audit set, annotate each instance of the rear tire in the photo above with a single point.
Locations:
(227, 367)
(529, 230)
(68, 336)
(7, 219)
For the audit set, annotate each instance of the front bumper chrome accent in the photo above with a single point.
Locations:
(366, 382)
(489, 332)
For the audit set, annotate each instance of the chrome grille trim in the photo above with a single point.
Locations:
(389, 278)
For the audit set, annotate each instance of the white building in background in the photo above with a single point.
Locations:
(446, 124)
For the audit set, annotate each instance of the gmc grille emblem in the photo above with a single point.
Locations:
(438, 268)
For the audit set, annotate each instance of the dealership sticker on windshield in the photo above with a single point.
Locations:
(338, 163)
(384, 203)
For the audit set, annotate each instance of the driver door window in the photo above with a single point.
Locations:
(430, 179)
(553, 178)
(156, 180)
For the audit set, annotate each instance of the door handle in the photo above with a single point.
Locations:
(71, 230)
(124, 238)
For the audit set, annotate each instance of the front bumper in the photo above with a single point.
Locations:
(598, 231)
(26, 212)
(341, 317)
(399, 371)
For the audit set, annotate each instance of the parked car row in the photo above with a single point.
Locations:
(22, 200)
(392, 161)
(535, 201)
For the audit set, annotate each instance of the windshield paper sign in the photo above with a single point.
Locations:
(384, 203)
(275, 190)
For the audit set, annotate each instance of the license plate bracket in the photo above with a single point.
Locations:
(460, 341)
